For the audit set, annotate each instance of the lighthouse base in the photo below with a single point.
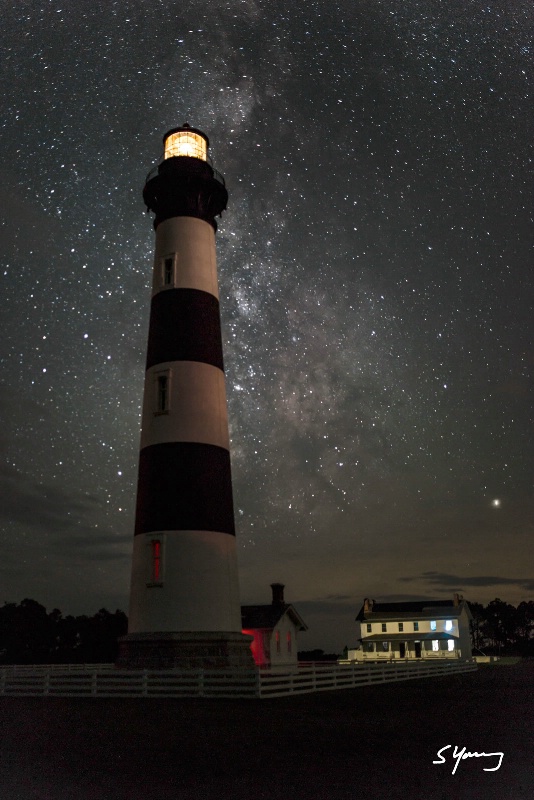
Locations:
(187, 651)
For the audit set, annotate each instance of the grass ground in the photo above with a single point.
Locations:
(372, 742)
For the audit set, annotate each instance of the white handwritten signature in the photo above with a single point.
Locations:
(462, 754)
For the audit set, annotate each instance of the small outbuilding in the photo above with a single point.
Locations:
(275, 628)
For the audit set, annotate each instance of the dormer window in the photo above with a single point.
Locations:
(448, 624)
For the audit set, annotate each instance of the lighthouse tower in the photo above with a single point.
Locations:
(184, 602)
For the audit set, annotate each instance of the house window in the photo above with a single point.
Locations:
(277, 637)
(433, 625)
(289, 641)
(368, 647)
(369, 627)
(416, 626)
(163, 392)
(435, 645)
(385, 646)
(167, 270)
(448, 624)
(450, 645)
(401, 627)
(384, 627)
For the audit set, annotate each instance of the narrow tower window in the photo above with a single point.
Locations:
(167, 270)
(156, 560)
(162, 393)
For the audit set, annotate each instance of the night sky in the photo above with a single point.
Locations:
(375, 269)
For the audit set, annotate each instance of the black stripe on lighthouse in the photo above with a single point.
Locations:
(185, 325)
(184, 486)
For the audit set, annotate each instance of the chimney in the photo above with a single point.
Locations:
(457, 599)
(278, 594)
(368, 605)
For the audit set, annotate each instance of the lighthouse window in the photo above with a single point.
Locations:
(156, 560)
(167, 270)
(186, 143)
(162, 397)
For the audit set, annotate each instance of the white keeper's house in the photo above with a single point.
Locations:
(429, 629)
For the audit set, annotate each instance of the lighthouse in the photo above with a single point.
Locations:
(184, 597)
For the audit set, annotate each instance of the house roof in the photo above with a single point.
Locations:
(417, 609)
(268, 616)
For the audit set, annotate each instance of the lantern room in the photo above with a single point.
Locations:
(186, 141)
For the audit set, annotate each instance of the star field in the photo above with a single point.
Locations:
(376, 293)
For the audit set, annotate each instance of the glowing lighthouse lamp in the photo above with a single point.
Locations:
(184, 599)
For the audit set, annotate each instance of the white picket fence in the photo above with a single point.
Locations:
(103, 680)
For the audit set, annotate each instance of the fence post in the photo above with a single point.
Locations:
(46, 683)
(200, 685)
(2, 682)
(144, 685)
(94, 685)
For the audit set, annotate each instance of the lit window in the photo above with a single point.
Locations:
(416, 626)
(289, 641)
(385, 646)
(156, 560)
(433, 625)
(448, 625)
(369, 627)
(401, 627)
(435, 645)
(384, 627)
(162, 393)
(450, 644)
(186, 143)
(277, 636)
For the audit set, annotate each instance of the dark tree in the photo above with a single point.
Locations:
(499, 626)
(28, 635)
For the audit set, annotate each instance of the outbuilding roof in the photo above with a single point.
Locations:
(268, 616)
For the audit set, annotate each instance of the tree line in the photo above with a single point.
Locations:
(30, 635)
(500, 628)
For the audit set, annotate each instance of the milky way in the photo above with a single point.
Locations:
(374, 277)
